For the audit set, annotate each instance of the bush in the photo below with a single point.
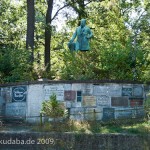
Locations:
(53, 109)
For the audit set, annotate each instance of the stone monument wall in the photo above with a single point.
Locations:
(84, 100)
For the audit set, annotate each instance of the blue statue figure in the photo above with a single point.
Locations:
(83, 34)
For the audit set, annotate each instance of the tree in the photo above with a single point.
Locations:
(48, 33)
(14, 57)
(30, 28)
(53, 109)
(79, 6)
(111, 49)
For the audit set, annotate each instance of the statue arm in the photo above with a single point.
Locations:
(90, 34)
(74, 36)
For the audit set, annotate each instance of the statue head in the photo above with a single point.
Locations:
(83, 22)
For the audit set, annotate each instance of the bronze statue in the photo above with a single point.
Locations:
(83, 34)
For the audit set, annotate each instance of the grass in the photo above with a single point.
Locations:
(128, 127)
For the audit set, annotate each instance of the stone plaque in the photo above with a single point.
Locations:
(87, 89)
(67, 87)
(58, 90)
(140, 112)
(70, 95)
(90, 113)
(17, 109)
(68, 104)
(89, 101)
(76, 104)
(123, 113)
(2, 107)
(6, 94)
(19, 93)
(137, 91)
(99, 113)
(103, 100)
(127, 91)
(108, 114)
(136, 102)
(119, 101)
(101, 90)
(77, 113)
(115, 90)
(76, 87)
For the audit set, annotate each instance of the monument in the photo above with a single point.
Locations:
(83, 34)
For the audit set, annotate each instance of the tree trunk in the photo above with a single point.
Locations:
(30, 28)
(48, 34)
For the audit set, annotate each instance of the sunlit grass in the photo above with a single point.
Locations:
(91, 127)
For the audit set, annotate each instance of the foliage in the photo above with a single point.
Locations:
(14, 58)
(52, 108)
(113, 54)
(147, 109)
(14, 65)
(119, 49)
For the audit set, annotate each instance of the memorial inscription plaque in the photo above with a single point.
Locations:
(101, 90)
(119, 101)
(70, 95)
(90, 113)
(89, 101)
(115, 91)
(16, 109)
(6, 94)
(127, 91)
(108, 114)
(87, 89)
(123, 113)
(136, 102)
(19, 94)
(58, 90)
(137, 91)
(77, 113)
(103, 100)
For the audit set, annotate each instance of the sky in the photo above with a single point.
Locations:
(59, 22)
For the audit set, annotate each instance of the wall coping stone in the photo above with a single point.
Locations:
(47, 81)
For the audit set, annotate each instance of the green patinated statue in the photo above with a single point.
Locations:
(83, 34)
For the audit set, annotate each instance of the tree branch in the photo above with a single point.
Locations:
(59, 11)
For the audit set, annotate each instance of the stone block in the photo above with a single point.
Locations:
(103, 100)
(77, 113)
(76, 87)
(17, 109)
(67, 87)
(108, 114)
(123, 113)
(6, 94)
(100, 90)
(115, 90)
(93, 113)
(87, 89)
(76, 104)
